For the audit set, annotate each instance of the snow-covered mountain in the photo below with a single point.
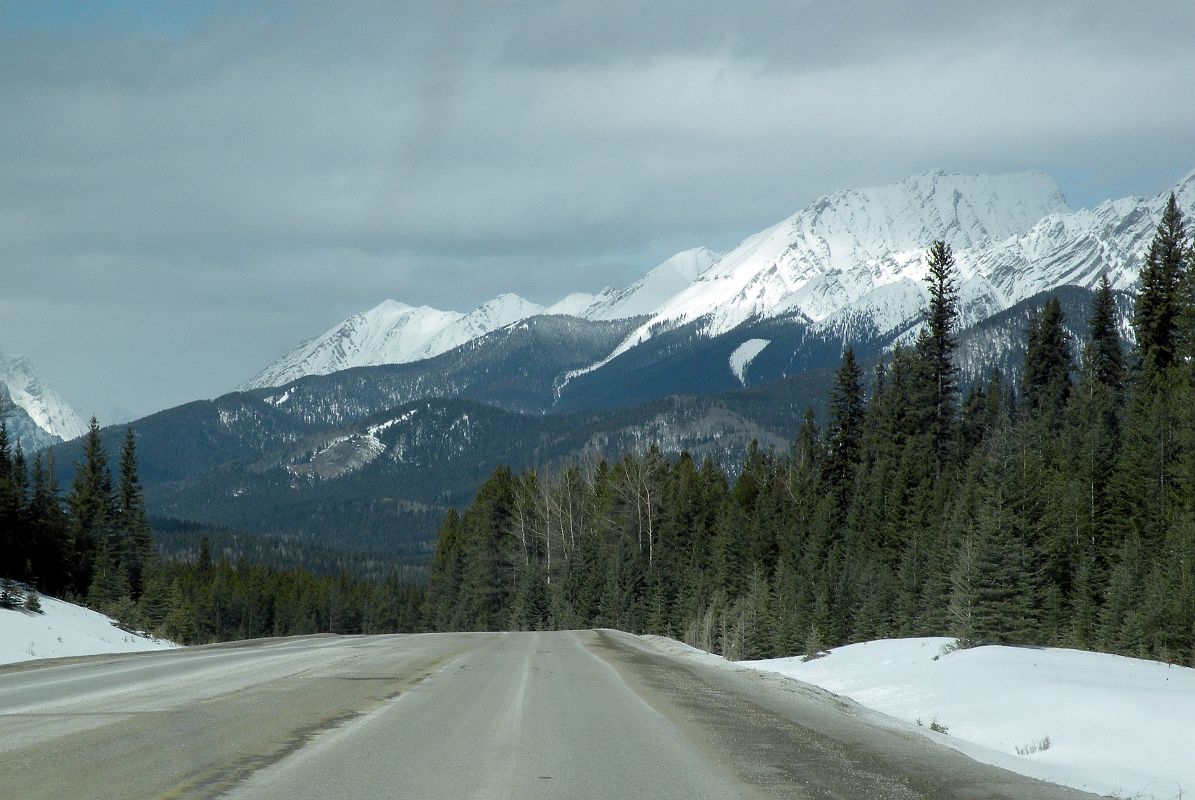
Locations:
(854, 260)
(44, 417)
(490, 316)
(389, 333)
(395, 333)
(653, 290)
(860, 246)
(849, 266)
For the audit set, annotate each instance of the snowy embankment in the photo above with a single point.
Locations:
(1106, 724)
(63, 629)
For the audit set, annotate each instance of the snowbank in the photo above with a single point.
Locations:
(1106, 724)
(64, 629)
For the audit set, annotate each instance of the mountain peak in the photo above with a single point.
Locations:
(842, 247)
(389, 306)
(51, 415)
(649, 293)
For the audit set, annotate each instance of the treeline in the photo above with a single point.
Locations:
(94, 546)
(1057, 511)
(200, 601)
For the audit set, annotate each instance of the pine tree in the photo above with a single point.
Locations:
(32, 602)
(109, 583)
(1046, 381)
(10, 593)
(844, 433)
(1005, 607)
(935, 347)
(444, 580)
(1103, 352)
(1158, 309)
(90, 502)
(135, 542)
(48, 531)
(12, 545)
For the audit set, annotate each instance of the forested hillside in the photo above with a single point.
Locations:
(1058, 508)
(94, 545)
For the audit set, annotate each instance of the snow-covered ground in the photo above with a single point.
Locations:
(1114, 725)
(64, 629)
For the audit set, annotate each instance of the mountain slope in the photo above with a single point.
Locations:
(41, 417)
(394, 333)
(852, 264)
(514, 367)
(490, 316)
(384, 482)
(848, 243)
(649, 293)
(389, 333)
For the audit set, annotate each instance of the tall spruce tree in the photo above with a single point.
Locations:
(134, 541)
(11, 545)
(844, 432)
(1104, 353)
(48, 531)
(936, 346)
(90, 503)
(1158, 309)
(1046, 382)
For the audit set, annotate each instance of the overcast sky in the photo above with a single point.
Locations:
(189, 189)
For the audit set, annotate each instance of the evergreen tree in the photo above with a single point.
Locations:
(444, 580)
(1103, 353)
(90, 502)
(1046, 381)
(12, 549)
(32, 602)
(10, 593)
(48, 532)
(135, 542)
(936, 346)
(844, 433)
(109, 583)
(1005, 604)
(1158, 309)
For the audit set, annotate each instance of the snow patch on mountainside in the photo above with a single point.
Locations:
(20, 384)
(63, 629)
(744, 354)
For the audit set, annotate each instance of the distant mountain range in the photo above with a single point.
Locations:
(395, 333)
(362, 437)
(848, 267)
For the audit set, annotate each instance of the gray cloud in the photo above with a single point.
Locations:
(180, 206)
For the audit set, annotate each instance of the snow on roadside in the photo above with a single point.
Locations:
(1115, 725)
(64, 629)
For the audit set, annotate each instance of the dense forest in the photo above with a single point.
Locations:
(1060, 510)
(95, 546)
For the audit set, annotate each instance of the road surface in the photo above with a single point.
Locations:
(589, 714)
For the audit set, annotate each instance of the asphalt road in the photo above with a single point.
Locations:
(522, 715)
